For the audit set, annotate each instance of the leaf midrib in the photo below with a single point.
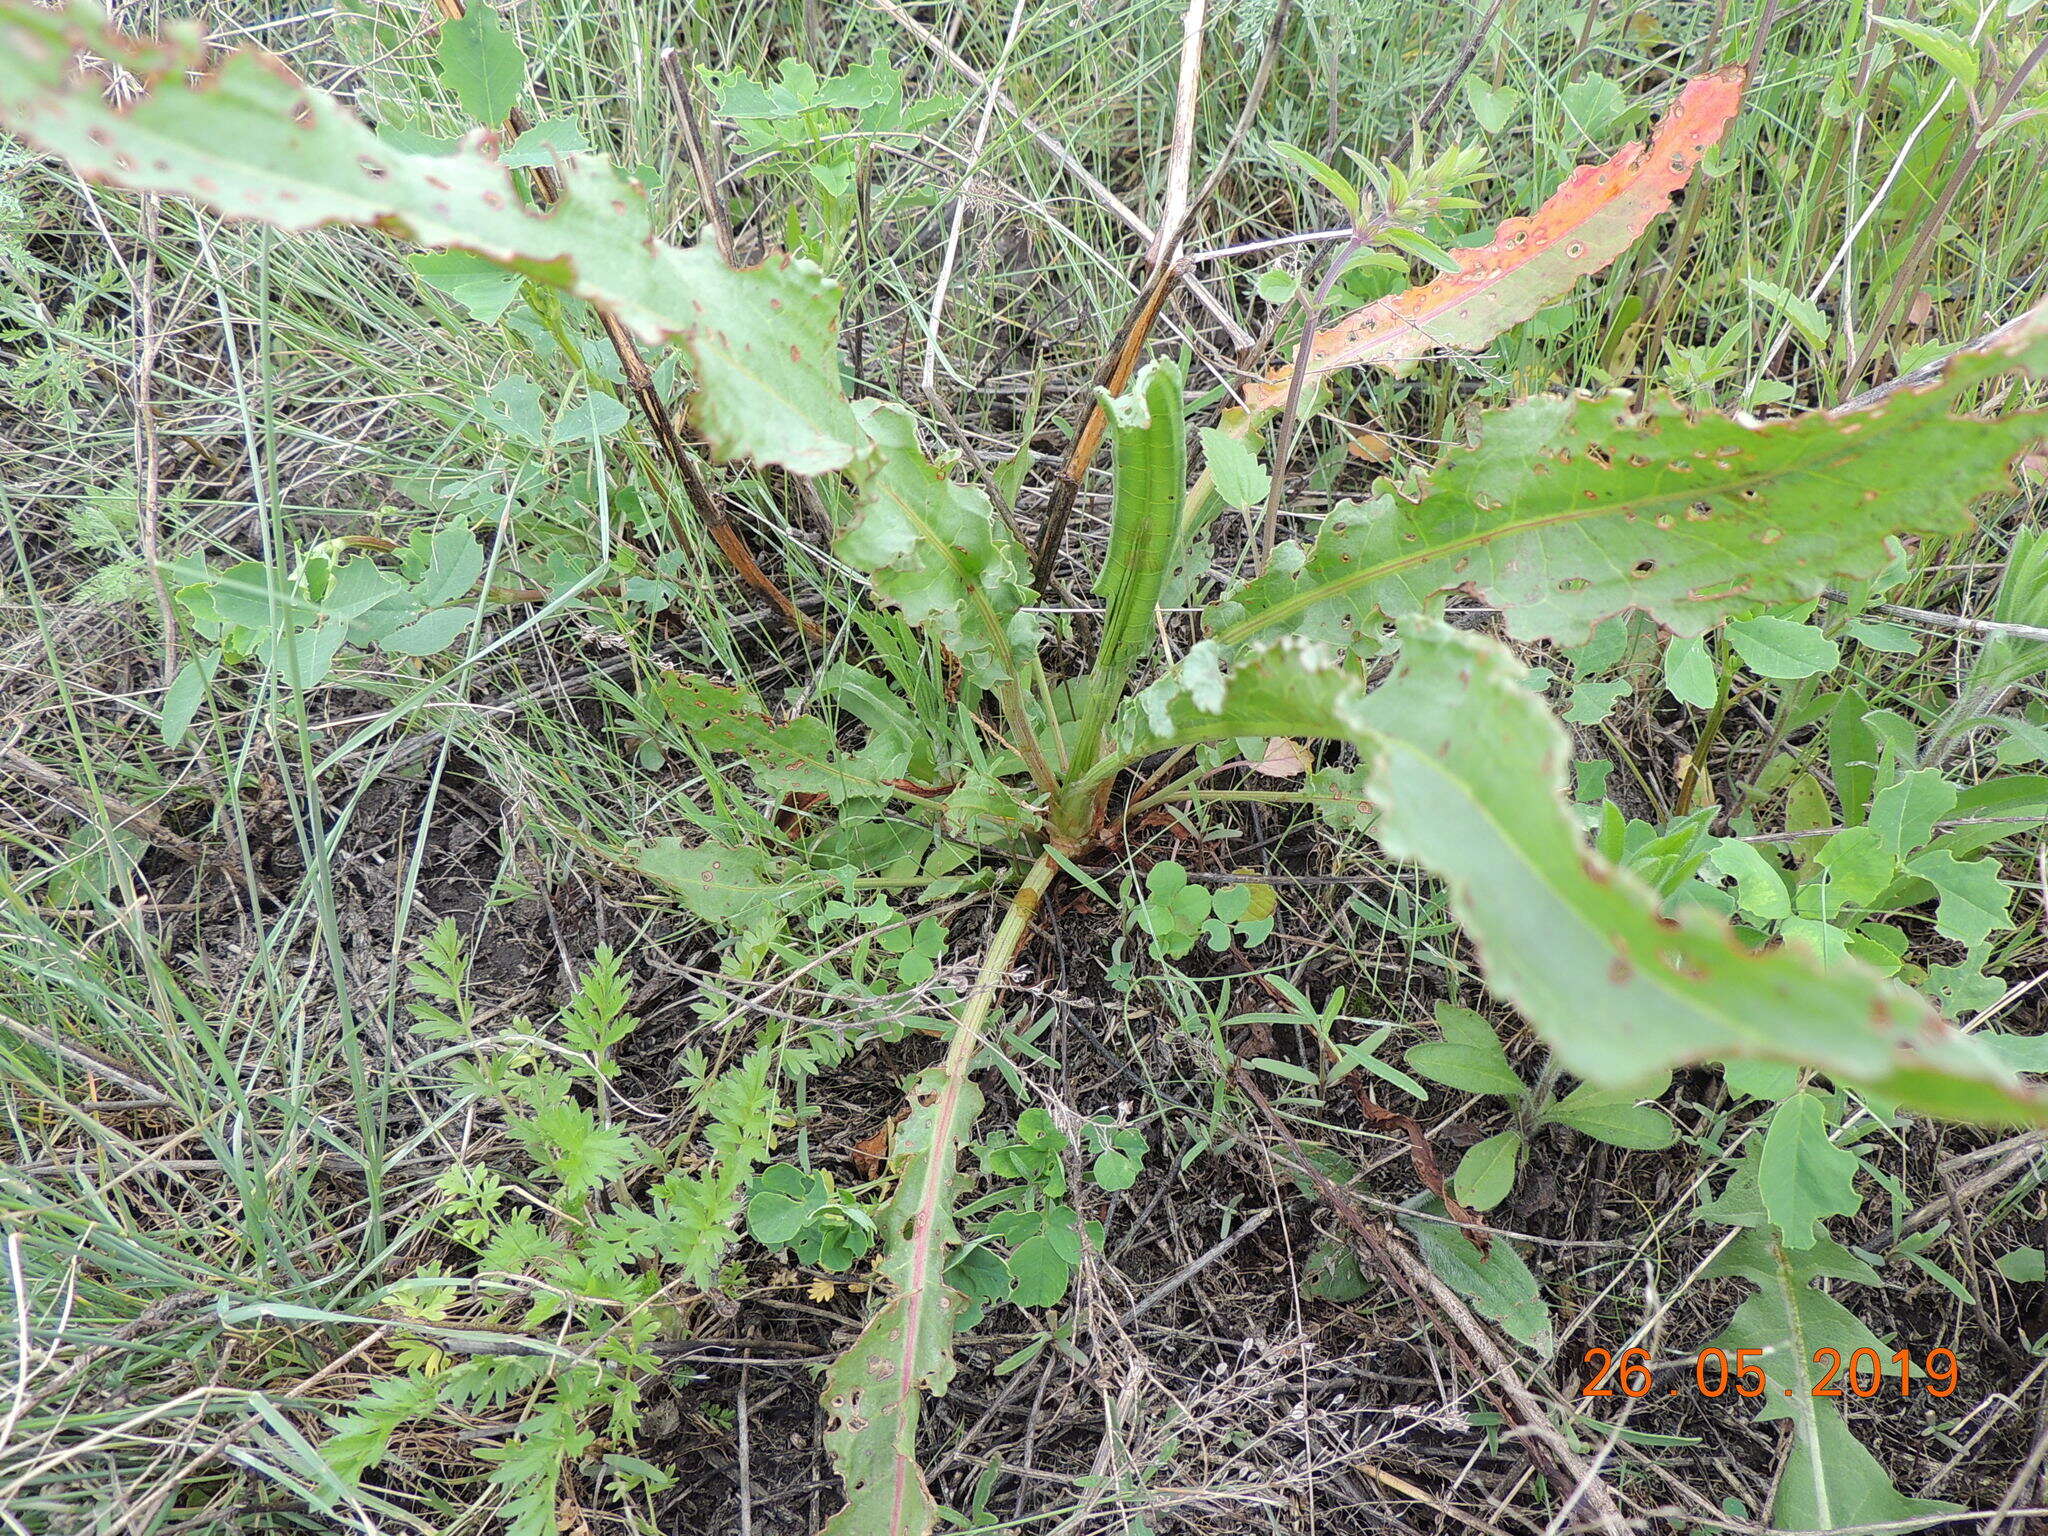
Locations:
(1304, 598)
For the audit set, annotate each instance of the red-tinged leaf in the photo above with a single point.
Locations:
(1597, 213)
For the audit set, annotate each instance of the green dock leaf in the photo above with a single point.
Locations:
(1467, 769)
(248, 138)
(1566, 511)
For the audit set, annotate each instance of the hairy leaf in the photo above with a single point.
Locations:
(935, 550)
(1498, 1282)
(1830, 1481)
(1467, 769)
(251, 140)
(1569, 510)
(1597, 213)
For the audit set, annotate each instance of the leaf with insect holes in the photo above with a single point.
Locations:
(1566, 511)
(726, 885)
(1598, 213)
(936, 550)
(1830, 1481)
(1467, 769)
(247, 138)
(874, 1392)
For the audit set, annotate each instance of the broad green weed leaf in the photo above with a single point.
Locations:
(784, 1200)
(1593, 699)
(186, 693)
(1041, 1273)
(1956, 55)
(1829, 1481)
(1881, 635)
(1173, 911)
(430, 632)
(1241, 480)
(1591, 105)
(545, 143)
(1803, 1176)
(252, 141)
(1569, 510)
(936, 550)
(514, 406)
(726, 885)
(1973, 899)
(874, 1392)
(481, 63)
(1859, 868)
(2011, 805)
(2023, 1266)
(798, 756)
(1467, 769)
(1689, 672)
(1493, 107)
(483, 288)
(1903, 813)
(1778, 648)
(1760, 890)
(597, 414)
(1614, 1116)
(1486, 1173)
(1802, 312)
(444, 566)
(1469, 1057)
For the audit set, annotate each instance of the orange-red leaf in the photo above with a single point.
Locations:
(1597, 213)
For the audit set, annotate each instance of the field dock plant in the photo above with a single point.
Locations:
(648, 894)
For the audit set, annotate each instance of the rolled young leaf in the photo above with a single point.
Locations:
(1148, 426)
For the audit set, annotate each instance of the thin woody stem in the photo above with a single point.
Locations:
(547, 190)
